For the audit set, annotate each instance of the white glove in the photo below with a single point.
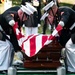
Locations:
(11, 22)
(61, 23)
(39, 25)
(1, 28)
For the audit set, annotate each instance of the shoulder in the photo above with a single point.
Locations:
(15, 8)
(66, 9)
(73, 7)
(11, 10)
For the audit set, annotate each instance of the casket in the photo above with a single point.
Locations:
(47, 58)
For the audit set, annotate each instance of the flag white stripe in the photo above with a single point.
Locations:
(38, 43)
(54, 32)
(27, 47)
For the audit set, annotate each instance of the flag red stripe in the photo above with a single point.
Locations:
(51, 37)
(59, 28)
(44, 39)
(23, 47)
(32, 46)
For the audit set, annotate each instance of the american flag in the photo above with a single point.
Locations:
(33, 43)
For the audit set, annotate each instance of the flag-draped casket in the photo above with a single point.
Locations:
(39, 54)
(47, 58)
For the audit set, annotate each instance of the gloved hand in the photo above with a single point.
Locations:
(39, 25)
(1, 28)
(15, 25)
(11, 22)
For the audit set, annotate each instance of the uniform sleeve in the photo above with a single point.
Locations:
(10, 19)
(65, 16)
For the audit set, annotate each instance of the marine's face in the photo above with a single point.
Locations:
(53, 10)
(23, 16)
(50, 18)
(52, 13)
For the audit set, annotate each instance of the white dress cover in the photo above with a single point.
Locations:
(6, 55)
